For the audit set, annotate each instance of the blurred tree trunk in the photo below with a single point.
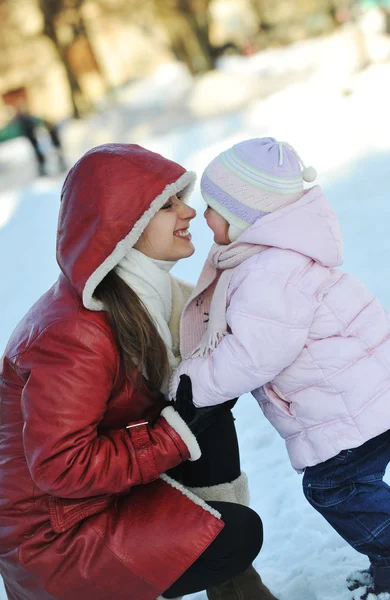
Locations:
(186, 23)
(51, 10)
(361, 42)
(196, 14)
(386, 15)
(255, 5)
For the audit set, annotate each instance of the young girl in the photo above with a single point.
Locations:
(272, 314)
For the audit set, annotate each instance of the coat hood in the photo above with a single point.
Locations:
(309, 226)
(108, 198)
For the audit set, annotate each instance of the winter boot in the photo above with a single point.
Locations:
(370, 584)
(244, 586)
(361, 578)
(369, 593)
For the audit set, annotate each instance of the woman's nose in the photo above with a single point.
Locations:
(187, 212)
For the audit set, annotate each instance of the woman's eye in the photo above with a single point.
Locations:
(166, 206)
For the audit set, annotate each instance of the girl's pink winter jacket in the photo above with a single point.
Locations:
(309, 341)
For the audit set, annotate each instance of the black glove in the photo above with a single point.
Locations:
(197, 419)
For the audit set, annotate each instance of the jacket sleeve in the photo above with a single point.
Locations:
(70, 370)
(269, 319)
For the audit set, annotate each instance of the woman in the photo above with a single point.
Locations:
(86, 435)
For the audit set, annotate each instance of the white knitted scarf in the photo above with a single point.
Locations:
(203, 322)
(150, 280)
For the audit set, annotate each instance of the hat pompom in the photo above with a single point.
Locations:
(309, 174)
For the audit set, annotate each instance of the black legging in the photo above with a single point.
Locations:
(240, 541)
(232, 551)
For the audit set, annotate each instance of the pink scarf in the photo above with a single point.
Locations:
(203, 321)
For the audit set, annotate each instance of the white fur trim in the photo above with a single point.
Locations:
(179, 299)
(236, 491)
(181, 427)
(186, 288)
(187, 492)
(185, 182)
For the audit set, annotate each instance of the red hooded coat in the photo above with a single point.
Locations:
(84, 511)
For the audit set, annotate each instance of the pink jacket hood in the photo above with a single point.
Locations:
(309, 226)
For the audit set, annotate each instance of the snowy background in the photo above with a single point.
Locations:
(338, 120)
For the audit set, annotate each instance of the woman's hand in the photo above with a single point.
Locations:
(197, 419)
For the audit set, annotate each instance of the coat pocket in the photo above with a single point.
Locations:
(328, 497)
(66, 512)
(276, 397)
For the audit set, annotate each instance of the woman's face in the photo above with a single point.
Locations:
(218, 225)
(167, 237)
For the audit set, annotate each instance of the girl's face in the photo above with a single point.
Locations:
(167, 237)
(218, 225)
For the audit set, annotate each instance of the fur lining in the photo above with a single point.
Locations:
(181, 427)
(181, 291)
(186, 288)
(187, 492)
(236, 491)
(187, 180)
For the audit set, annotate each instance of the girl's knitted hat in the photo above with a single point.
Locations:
(253, 179)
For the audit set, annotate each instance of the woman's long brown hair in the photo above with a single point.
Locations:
(137, 337)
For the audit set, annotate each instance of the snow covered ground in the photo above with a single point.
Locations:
(342, 127)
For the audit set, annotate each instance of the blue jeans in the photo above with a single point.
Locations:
(349, 491)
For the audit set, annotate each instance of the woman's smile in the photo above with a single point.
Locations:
(183, 233)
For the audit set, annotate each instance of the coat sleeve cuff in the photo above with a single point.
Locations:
(176, 422)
